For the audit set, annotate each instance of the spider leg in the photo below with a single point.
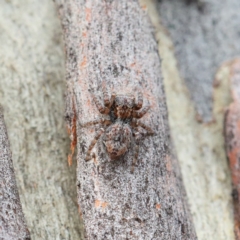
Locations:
(92, 144)
(143, 111)
(144, 126)
(113, 96)
(135, 156)
(135, 124)
(106, 99)
(107, 102)
(102, 109)
(139, 103)
(97, 121)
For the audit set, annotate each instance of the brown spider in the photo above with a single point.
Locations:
(123, 125)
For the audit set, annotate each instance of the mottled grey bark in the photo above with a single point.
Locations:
(112, 43)
(205, 34)
(12, 221)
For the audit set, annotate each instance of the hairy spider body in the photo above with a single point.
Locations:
(123, 126)
(123, 107)
(117, 139)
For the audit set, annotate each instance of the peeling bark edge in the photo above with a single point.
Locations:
(151, 203)
(12, 221)
(232, 140)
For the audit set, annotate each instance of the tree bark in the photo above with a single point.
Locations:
(31, 92)
(12, 221)
(232, 140)
(111, 43)
(32, 95)
(205, 35)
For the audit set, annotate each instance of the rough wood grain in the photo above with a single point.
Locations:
(112, 43)
(12, 221)
(232, 139)
(31, 58)
(205, 34)
(32, 95)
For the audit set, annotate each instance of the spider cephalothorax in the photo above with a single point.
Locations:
(123, 127)
(123, 106)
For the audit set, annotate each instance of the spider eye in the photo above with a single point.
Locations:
(130, 103)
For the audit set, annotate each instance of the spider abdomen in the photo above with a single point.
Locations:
(117, 139)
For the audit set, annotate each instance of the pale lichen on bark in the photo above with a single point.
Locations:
(32, 95)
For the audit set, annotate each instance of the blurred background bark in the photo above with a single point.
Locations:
(32, 96)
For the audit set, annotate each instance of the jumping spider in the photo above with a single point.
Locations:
(123, 126)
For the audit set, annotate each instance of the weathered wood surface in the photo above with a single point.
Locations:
(205, 34)
(112, 43)
(31, 59)
(32, 95)
(12, 221)
(232, 139)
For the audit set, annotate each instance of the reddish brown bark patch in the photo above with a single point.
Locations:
(232, 141)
